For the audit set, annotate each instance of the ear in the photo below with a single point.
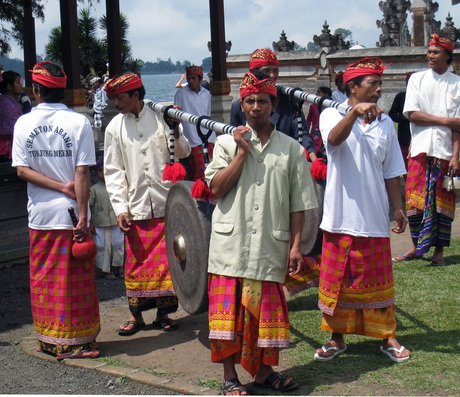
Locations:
(241, 105)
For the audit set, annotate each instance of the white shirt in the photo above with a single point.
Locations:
(197, 104)
(438, 95)
(356, 200)
(339, 96)
(136, 151)
(52, 140)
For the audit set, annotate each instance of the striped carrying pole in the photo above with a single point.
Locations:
(312, 98)
(191, 118)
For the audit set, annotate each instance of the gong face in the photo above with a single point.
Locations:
(312, 235)
(187, 231)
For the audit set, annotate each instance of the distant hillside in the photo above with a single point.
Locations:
(12, 64)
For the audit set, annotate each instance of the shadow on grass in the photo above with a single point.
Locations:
(345, 374)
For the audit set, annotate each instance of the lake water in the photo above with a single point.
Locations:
(160, 87)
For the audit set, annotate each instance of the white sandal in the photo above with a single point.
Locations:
(335, 349)
(388, 351)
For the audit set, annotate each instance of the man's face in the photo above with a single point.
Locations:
(257, 108)
(194, 82)
(340, 85)
(370, 89)
(437, 58)
(270, 70)
(125, 103)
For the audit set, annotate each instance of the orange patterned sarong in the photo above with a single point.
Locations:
(248, 319)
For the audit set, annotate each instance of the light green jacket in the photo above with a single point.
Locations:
(250, 234)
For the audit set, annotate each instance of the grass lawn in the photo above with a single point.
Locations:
(428, 315)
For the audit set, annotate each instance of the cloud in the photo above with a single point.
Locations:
(180, 29)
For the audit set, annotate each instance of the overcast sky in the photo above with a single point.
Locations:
(180, 29)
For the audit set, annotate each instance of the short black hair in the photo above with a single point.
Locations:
(9, 77)
(357, 80)
(326, 90)
(51, 95)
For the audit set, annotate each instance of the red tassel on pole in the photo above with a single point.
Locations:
(174, 172)
(319, 169)
(200, 190)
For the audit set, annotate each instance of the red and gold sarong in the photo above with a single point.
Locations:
(195, 164)
(248, 319)
(65, 306)
(308, 276)
(416, 183)
(356, 273)
(356, 291)
(146, 269)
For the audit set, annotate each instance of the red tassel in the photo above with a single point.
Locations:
(175, 172)
(319, 169)
(200, 190)
(85, 250)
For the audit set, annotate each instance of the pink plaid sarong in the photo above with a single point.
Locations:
(65, 307)
(356, 273)
(146, 268)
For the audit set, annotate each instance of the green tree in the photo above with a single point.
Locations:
(347, 35)
(53, 49)
(129, 63)
(12, 13)
(313, 47)
(92, 51)
(206, 64)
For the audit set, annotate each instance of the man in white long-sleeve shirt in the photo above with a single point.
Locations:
(136, 152)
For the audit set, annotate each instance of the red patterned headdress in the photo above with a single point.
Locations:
(194, 70)
(442, 42)
(41, 76)
(263, 57)
(364, 67)
(123, 83)
(251, 85)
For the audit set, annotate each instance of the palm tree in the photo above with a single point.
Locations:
(129, 63)
(53, 47)
(92, 50)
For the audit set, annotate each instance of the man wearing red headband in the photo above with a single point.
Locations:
(285, 117)
(261, 179)
(433, 108)
(53, 149)
(339, 94)
(356, 291)
(195, 99)
(135, 154)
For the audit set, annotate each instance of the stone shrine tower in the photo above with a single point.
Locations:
(424, 23)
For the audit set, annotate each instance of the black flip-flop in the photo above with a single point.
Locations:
(137, 327)
(170, 325)
(272, 380)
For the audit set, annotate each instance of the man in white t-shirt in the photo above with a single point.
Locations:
(433, 107)
(356, 291)
(195, 99)
(339, 94)
(53, 148)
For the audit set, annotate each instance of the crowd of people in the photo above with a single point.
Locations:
(260, 177)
